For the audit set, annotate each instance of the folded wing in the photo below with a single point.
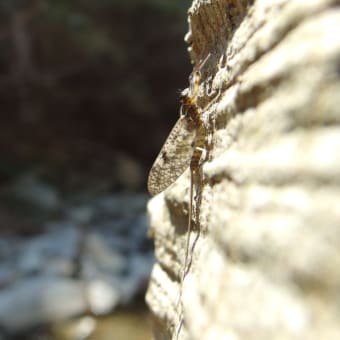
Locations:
(174, 156)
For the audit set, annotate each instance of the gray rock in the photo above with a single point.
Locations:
(53, 252)
(9, 248)
(103, 294)
(80, 214)
(114, 270)
(30, 190)
(121, 205)
(140, 242)
(99, 257)
(8, 273)
(40, 300)
(108, 256)
(140, 266)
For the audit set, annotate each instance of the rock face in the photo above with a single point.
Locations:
(266, 264)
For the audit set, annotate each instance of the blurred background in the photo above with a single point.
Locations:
(88, 93)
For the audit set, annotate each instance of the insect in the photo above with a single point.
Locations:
(186, 146)
(183, 147)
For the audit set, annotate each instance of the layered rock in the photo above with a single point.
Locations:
(266, 263)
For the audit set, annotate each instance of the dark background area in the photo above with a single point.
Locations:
(88, 93)
(89, 89)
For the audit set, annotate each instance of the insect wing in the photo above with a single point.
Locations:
(173, 158)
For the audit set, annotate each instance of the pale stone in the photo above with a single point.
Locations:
(266, 264)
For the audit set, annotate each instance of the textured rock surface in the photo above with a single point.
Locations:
(267, 262)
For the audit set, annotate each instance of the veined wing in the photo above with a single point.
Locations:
(174, 156)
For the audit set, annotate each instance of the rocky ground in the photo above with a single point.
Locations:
(61, 258)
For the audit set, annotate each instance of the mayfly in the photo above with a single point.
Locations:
(178, 150)
(186, 146)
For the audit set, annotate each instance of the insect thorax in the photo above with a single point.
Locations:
(189, 109)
